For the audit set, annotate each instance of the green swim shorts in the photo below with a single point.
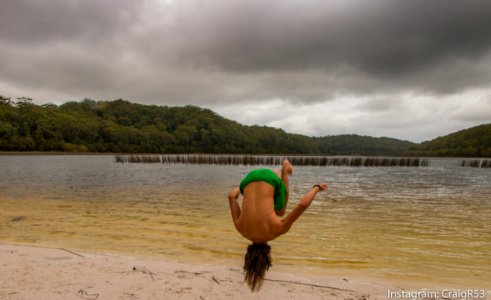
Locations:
(270, 177)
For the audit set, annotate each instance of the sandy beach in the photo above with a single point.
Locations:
(30, 272)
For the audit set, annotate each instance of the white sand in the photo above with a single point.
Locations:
(28, 272)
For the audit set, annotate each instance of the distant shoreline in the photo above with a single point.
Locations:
(27, 153)
(123, 127)
(48, 153)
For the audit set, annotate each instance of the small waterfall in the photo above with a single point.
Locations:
(210, 159)
(476, 163)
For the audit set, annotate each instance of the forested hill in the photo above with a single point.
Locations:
(121, 126)
(475, 141)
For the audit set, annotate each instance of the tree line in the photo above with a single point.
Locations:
(120, 126)
(471, 142)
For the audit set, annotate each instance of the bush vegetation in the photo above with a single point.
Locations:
(471, 142)
(123, 127)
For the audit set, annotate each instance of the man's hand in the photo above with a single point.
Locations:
(321, 186)
(234, 193)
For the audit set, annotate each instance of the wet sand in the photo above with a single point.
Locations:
(30, 272)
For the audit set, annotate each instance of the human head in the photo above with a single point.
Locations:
(256, 262)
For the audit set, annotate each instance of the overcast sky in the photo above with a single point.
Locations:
(412, 70)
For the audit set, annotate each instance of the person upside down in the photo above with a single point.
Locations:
(265, 199)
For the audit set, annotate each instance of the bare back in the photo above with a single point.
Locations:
(258, 221)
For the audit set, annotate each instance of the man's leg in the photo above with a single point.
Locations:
(286, 171)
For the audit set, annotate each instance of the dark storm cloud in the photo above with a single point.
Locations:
(72, 48)
(228, 49)
(361, 64)
(382, 39)
(33, 23)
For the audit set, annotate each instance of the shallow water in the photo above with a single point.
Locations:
(430, 224)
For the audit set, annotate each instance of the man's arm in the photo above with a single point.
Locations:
(234, 206)
(301, 207)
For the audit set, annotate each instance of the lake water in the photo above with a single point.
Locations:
(430, 224)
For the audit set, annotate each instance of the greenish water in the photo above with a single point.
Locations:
(429, 224)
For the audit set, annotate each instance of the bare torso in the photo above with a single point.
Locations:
(258, 221)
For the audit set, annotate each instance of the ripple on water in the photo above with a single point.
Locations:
(426, 223)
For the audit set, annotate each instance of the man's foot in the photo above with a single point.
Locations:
(287, 167)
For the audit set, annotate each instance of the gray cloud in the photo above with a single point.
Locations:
(382, 38)
(365, 56)
(34, 23)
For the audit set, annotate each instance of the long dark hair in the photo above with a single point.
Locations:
(256, 262)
